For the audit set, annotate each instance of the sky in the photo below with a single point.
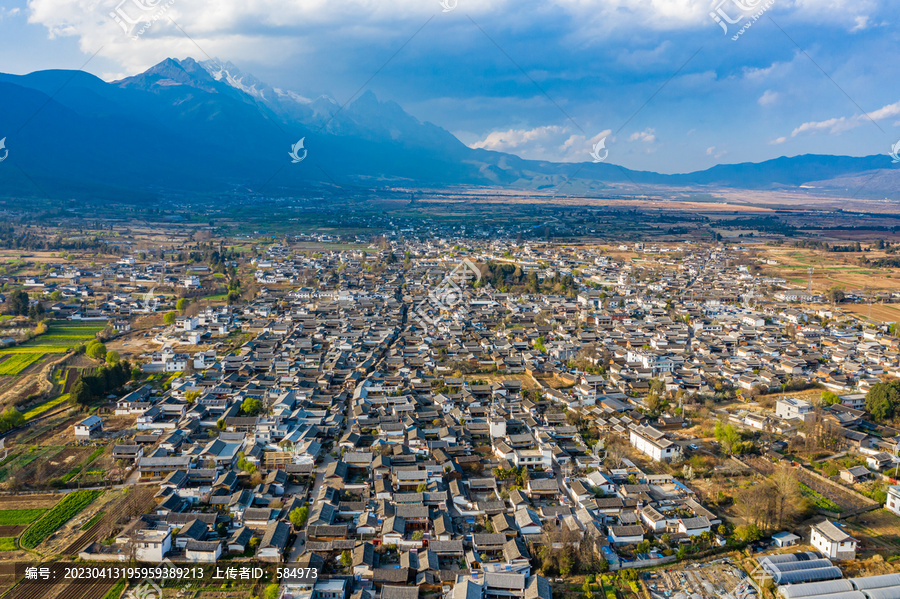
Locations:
(661, 83)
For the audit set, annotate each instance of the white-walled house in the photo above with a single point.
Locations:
(832, 541)
(88, 427)
(653, 442)
(892, 503)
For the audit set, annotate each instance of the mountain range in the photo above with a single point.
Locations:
(204, 127)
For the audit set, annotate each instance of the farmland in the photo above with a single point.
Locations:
(59, 338)
(15, 364)
(16, 517)
(46, 406)
(64, 511)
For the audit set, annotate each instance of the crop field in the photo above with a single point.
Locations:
(45, 407)
(15, 364)
(16, 461)
(61, 513)
(59, 338)
(16, 517)
(26, 348)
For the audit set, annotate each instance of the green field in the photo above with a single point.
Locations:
(46, 406)
(96, 518)
(21, 516)
(820, 500)
(16, 364)
(61, 336)
(116, 591)
(8, 544)
(35, 349)
(61, 513)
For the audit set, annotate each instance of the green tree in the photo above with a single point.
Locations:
(95, 349)
(251, 406)
(747, 533)
(829, 398)
(728, 437)
(883, 400)
(346, 558)
(272, 591)
(182, 304)
(298, 516)
(79, 393)
(11, 418)
(112, 357)
(191, 396)
(169, 318)
(17, 303)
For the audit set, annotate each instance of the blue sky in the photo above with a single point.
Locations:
(669, 90)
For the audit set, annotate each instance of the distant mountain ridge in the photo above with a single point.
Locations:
(185, 126)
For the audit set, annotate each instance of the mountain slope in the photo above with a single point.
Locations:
(187, 126)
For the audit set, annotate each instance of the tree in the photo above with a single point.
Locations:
(883, 400)
(789, 503)
(182, 304)
(653, 402)
(79, 393)
(36, 312)
(112, 357)
(17, 303)
(251, 406)
(829, 398)
(298, 516)
(169, 318)
(346, 558)
(835, 295)
(244, 464)
(728, 437)
(95, 349)
(747, 533)
(11, 418)
(191, 396)
(272, 591)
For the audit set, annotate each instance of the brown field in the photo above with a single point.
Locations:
(40, 471)
(875, 312)
(526, 380)
(879, 531)
(43, 500)
(830, 269)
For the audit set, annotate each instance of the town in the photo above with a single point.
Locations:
(454, 417)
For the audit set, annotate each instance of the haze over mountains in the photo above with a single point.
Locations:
(185, 126)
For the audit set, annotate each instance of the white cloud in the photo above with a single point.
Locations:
(891, 110)
(862, 22)
(272, 30)
(557, 143)
(646, 136)
(833, 126)
(838, 125)
(505, 141)
(9, 12)
(768, 98)
(711, 151)
(778, 141)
